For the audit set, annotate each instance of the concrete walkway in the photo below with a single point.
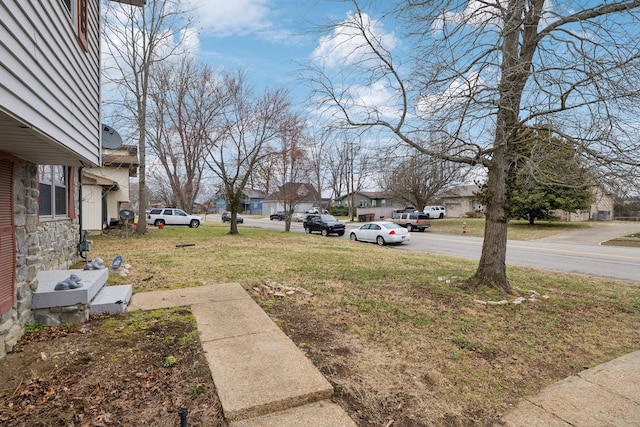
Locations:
(606, 395)
(262, 377)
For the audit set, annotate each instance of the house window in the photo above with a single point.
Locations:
(363, 203)
(53, 191)
(79, 12)
(383, 203)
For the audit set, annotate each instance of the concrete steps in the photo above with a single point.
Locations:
(52, 307)
(111, 300)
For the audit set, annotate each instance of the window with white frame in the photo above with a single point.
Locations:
(53, 191)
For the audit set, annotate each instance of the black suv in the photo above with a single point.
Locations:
(325, 224)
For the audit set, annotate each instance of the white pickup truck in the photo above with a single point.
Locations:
(412, 220)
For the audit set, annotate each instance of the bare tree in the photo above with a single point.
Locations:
(136, 38)
(417, 179)
(262, 176)
(157, 188)
(347, 164)
(288, 156)
(335, 166)
(244, 130)
(186, 98)
(477, 72)
(357, 167)
(317, 160)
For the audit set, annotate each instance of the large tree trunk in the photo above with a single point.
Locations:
(515, 67)
(234, 223)
(142, 180)
(492, 270)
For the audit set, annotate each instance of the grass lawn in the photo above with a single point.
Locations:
(518, 230)
(391, 329)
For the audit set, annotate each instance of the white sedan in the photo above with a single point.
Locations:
(381, 232)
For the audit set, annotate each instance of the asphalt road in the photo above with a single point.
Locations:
(601, 261)
(576, 252)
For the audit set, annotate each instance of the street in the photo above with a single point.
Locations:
(614, 262)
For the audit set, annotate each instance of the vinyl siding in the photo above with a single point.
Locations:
(92, 207)
(49, 82)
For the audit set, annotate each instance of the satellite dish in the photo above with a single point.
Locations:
(110, 138)
(127, 214)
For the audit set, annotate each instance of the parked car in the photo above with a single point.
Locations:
(226, 217)
(172, 216)
(324, 223)
(297, 216)
(435, 211)
(412, 221)
(381, 232)
(279, 215)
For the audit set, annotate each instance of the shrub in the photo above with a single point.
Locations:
(474, 214)
(339, 211)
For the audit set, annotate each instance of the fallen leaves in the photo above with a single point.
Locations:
(109, 373)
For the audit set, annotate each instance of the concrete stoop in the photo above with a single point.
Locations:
(52, 306)
(111, 300)
(262, 377)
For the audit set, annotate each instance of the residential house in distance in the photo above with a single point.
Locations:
(379, 203)
(601, 208)
(304, 197)
(463, 199)
(105, 190)
(251, 204)
(602, 205)
(49, 130)
(460, 200)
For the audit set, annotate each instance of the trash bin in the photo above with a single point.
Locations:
(362, 218)
(370, 217)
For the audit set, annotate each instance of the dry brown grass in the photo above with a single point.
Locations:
(391, 329)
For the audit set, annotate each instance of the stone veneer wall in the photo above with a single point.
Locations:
(40, 246)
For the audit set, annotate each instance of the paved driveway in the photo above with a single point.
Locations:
(594, 235)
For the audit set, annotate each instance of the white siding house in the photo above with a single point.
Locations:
(49, 87)
(105, 190)
(49, 128)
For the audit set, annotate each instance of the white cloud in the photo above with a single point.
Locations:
(476, 12)
(223, 18)
(376, 97)
(190, 39)
(346, 51)
(458, 91)
(346, 44)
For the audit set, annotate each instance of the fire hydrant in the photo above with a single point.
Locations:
(464, 227)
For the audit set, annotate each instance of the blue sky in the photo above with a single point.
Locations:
(266, 38)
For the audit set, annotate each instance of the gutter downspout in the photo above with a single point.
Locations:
(83, 244)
